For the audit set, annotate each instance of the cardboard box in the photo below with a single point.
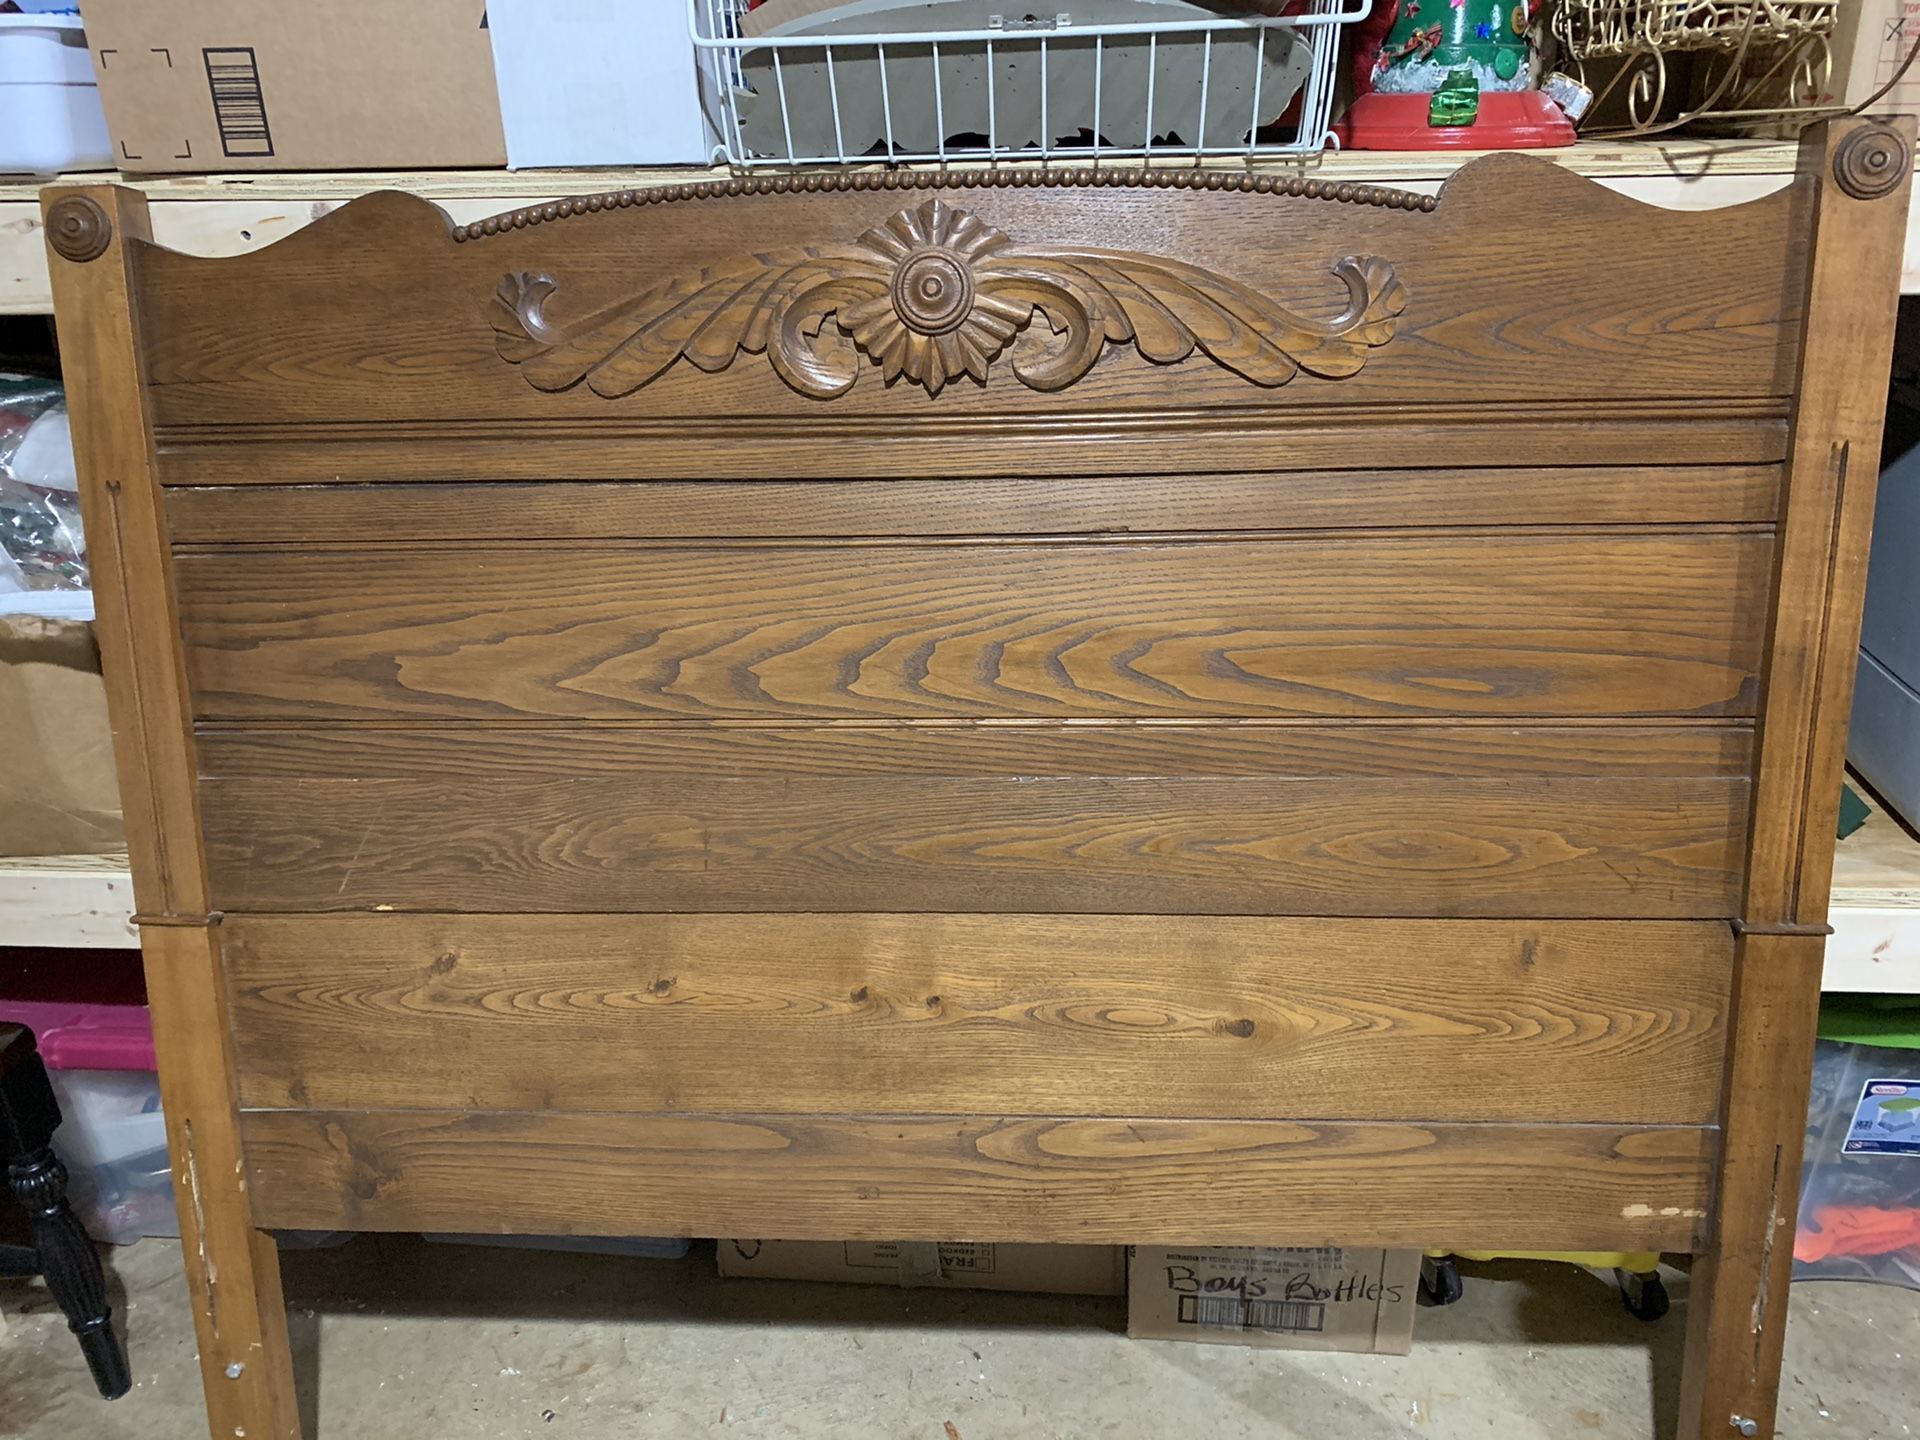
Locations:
(946, 1265)
(599, 82)
(212, 85)
(1871, 38)
(58, 794)
(1355, 1300)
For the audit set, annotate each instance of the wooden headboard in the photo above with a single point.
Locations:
(1081, 705)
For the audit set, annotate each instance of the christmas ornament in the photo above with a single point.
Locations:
(1449, 74)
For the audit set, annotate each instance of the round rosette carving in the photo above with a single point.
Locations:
(1871, 162)
(78, 228)
(932, 322)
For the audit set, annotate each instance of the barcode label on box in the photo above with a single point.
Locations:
(1323, 1258)
(1230, 1312)
(239, 106)
(974, 1259)
(953, 1256)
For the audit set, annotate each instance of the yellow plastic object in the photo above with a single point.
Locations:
(1633, 1262)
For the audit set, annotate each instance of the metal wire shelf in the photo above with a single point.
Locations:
(1025, 87)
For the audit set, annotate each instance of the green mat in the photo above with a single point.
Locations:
(1890, 1020)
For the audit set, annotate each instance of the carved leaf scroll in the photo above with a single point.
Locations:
(933, 294)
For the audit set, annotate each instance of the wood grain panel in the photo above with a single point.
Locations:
(625, 750)
(983, 1014)
(241, 514)
(1180, 844)
(1480, 624)
(1466, 1187)
(1519, 287)
(1150, 441)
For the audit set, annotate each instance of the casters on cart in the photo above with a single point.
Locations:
(1645, 1296)
(1641, 1289)
(1440, 1279)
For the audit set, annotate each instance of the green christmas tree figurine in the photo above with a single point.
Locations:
(1430, 39)
(1449, 74)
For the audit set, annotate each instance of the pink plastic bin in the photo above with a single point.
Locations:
(89, 1019)
(86, 1037)
(87, 1008)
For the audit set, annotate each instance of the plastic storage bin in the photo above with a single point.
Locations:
(113, 1139)
(50, 115)
(1860, 1187)
(99, 1054)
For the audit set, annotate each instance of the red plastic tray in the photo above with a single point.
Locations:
(1508, 120)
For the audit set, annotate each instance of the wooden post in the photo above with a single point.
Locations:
(1854, 175)
(233, 1270)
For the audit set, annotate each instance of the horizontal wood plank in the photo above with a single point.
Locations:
(1062, 444)
(1245, 817)
(412, 750)
(1036, 1179)
(1621, 624)
(983, 1014)
(1179, 844)
(242, 514)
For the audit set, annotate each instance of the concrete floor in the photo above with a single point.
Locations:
(398, 1338)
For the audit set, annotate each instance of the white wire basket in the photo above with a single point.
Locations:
(1024, 86)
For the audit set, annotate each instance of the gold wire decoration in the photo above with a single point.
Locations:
(1598, 28)
(1753, 52)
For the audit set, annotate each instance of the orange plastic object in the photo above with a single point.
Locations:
(1856, 1230)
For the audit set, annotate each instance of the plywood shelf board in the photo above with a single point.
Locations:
(81, 901)
(1680, 160)
(1876, 907)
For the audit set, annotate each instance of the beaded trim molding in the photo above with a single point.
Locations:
(1291, 185)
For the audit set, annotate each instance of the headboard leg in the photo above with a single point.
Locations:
(233, 1269)
(1855, 176)
(1737, 1302)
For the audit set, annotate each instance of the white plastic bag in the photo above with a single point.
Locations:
(41, 544)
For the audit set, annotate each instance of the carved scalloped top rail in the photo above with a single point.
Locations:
(230, 214)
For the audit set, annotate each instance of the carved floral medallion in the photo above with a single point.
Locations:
(933, 294)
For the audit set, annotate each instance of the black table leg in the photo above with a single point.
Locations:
(63, 1253)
